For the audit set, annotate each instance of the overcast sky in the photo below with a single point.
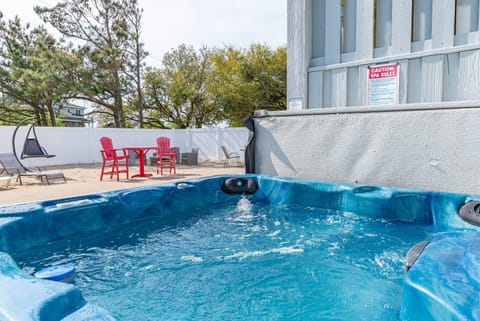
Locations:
(169, 23)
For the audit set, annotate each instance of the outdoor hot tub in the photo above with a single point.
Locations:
(246, 247)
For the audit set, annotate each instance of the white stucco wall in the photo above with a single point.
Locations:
(430, 149)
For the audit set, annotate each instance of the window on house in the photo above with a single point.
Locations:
(318, 28)
(348, 25)
(382, 24)
(466, 16)
(421, 20)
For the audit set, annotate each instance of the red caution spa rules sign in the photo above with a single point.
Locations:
(383, 85)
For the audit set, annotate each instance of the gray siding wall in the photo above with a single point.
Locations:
(328, 60)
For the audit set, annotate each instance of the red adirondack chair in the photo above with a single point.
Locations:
(115, 161)
(166, 155)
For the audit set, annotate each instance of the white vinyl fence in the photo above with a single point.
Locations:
(82, 145)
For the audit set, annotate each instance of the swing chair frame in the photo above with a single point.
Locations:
(31, 146)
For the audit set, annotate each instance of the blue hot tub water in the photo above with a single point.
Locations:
(294, 250)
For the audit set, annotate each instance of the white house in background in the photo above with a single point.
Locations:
(433, 45)
(72, 115)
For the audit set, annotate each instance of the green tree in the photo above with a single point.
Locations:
(33, 72)
(12, 112)
(105, 31)
(247, 80)
(176, 95)
(136, 63)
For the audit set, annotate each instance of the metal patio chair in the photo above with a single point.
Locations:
(11, 166)
(230, 156)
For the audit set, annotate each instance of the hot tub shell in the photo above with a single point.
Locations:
(441, 285)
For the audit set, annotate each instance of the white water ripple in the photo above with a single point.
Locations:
(282, 250)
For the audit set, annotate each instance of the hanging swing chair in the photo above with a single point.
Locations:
(31, 146)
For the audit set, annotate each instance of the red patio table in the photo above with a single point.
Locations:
(141, 150)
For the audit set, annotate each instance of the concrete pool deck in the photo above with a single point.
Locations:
(85, 179)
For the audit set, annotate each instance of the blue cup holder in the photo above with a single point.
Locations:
(366, 189)
(371, 191)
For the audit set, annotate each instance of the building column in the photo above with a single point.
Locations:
(299, 48)
(364, 26)
(443, 20)
(401, 26)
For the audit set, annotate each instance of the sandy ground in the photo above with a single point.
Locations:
(85, 179)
